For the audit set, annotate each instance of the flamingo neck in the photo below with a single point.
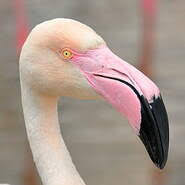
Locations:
(50, 154)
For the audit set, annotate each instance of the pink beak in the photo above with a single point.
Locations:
(131, 93)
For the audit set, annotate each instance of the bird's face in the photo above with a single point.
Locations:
(66, 58)
(48, 53)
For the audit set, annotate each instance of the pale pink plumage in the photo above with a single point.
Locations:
(91, 67)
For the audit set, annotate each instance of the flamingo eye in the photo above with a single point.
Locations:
(67, 54)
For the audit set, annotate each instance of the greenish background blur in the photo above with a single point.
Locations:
(102, 144)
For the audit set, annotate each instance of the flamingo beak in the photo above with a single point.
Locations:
(132, 94)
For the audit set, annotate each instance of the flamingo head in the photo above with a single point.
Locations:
(63, 57)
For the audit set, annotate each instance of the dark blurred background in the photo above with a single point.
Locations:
(102, 144)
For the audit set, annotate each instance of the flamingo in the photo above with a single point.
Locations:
(63, 57)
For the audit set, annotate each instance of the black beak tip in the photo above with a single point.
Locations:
(160, 165)
(154, 131)
(160, 162)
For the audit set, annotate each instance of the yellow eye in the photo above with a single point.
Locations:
(67, 54)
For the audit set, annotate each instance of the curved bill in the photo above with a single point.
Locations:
(132, 94)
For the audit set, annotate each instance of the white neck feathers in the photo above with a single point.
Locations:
(50, 154)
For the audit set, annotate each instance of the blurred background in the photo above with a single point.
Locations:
(102, 144)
